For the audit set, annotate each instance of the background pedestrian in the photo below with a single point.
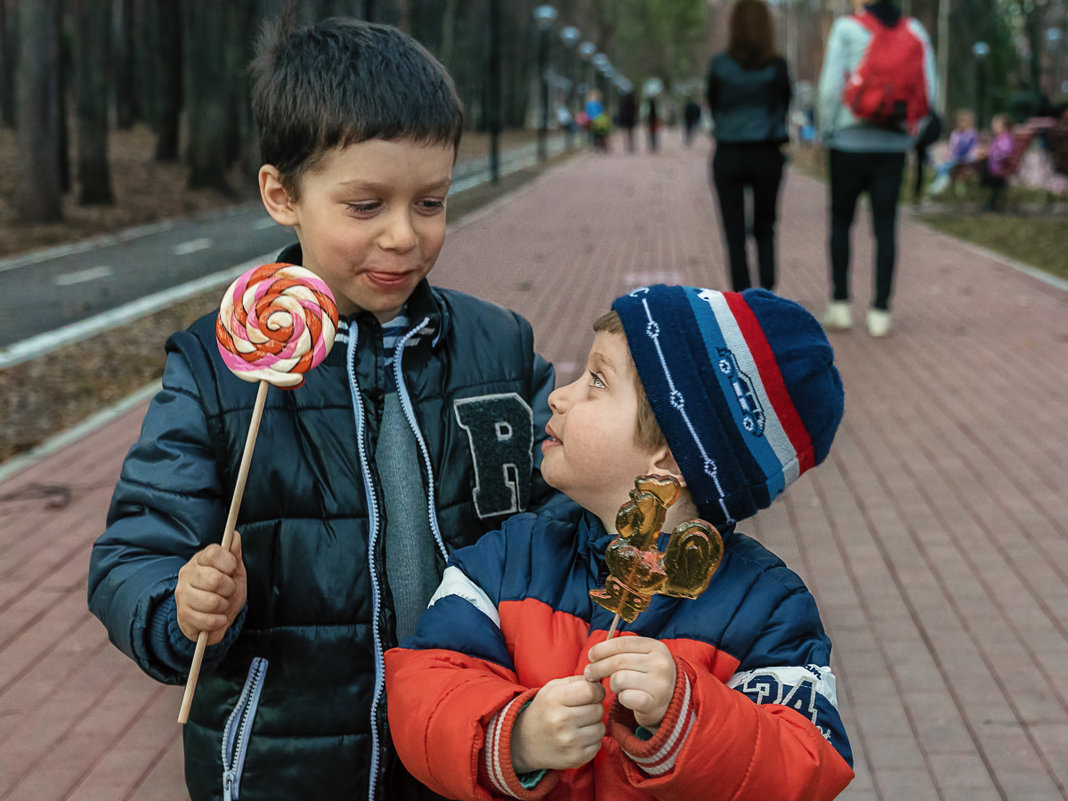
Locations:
(748, 92)
(876, 55)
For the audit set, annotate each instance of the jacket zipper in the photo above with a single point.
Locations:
(409, 414)
(372, 547)
(238, 728)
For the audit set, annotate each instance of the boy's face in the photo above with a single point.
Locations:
(370, 219)
(592, 454)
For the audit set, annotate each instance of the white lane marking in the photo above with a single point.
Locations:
(192, 246)
(45, 343)
(82, 276)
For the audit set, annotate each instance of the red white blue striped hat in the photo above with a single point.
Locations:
(743, 385)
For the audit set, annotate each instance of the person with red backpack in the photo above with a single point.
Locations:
(877, 88)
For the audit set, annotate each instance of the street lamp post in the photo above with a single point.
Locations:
(600, 63)
(494, 90)
(980, 50)
(570, 36)
(1053, 47)
(586, 51)
(544, 15)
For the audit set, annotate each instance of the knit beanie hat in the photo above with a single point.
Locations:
(743, 385)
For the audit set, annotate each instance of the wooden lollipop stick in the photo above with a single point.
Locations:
(612, 628)
(228, 536)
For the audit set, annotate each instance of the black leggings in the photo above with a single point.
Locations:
(759, 167)
(878, 174)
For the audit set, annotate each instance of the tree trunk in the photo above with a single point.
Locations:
(8, 58)
(208, 92)
(62, 99)
(37, 112)
(165, 24)
(126, 108)
(91, 85)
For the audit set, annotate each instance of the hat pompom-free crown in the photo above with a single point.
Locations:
(743, 385)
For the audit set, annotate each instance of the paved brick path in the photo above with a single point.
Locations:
(934, 537)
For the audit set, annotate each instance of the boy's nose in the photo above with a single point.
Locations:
(558, 398)
(399, 233)
(554, 400)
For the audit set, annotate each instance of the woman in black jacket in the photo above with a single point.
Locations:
(748, 93)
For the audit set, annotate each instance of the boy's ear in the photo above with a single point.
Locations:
(275, 197)
(664, 463)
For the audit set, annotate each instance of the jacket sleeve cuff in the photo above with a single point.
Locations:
(175, 649)
(655, 756)
(496, 771)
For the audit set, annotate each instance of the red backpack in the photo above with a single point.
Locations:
(888, 88)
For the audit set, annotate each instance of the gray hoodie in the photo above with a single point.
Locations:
(839, 129)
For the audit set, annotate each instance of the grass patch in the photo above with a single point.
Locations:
(1040, 241)
(1037, 239)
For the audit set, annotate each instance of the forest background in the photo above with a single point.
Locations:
(72, 72)
(116, 113)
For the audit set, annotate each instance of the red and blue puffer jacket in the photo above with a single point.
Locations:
(754, 714)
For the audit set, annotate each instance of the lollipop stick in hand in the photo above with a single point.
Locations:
(275, 323)
(228, 536)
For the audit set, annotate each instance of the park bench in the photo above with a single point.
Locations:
(1032, 172)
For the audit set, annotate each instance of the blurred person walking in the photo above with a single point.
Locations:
(691, 119)
(628, 118)
(876, 89)
(652, 123)
(748, 92)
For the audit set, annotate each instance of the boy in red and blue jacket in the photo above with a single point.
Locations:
(499, 693)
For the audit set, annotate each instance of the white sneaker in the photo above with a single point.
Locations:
(838, 316)
(939, 184)
(878, 322)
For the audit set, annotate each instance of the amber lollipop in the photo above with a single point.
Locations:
(637, 570)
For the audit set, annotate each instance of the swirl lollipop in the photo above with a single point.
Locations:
(275, 323)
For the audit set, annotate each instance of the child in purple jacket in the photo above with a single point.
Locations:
(996, 165)
(963, 142)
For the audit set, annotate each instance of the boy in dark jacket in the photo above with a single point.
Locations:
(411, 439)
(729, 695)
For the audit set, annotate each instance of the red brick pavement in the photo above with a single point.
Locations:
(934, 537)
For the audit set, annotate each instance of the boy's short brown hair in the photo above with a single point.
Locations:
(344, 81)
(648, 433)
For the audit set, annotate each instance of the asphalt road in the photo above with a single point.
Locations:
(59, 295)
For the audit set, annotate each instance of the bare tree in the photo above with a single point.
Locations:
(92, 19)
(165, 24)
(126, 108)
(8, 56)
(37, 112)
(208, 93)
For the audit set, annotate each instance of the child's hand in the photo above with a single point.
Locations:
(642, 673)
(561, 728)
(211, 591)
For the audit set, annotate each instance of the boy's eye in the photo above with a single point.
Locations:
(596, 380)
(365, 207)
(430, 205)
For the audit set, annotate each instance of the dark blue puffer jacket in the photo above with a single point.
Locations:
(294, 707)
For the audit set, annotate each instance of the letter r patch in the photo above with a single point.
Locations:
(500, 432)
